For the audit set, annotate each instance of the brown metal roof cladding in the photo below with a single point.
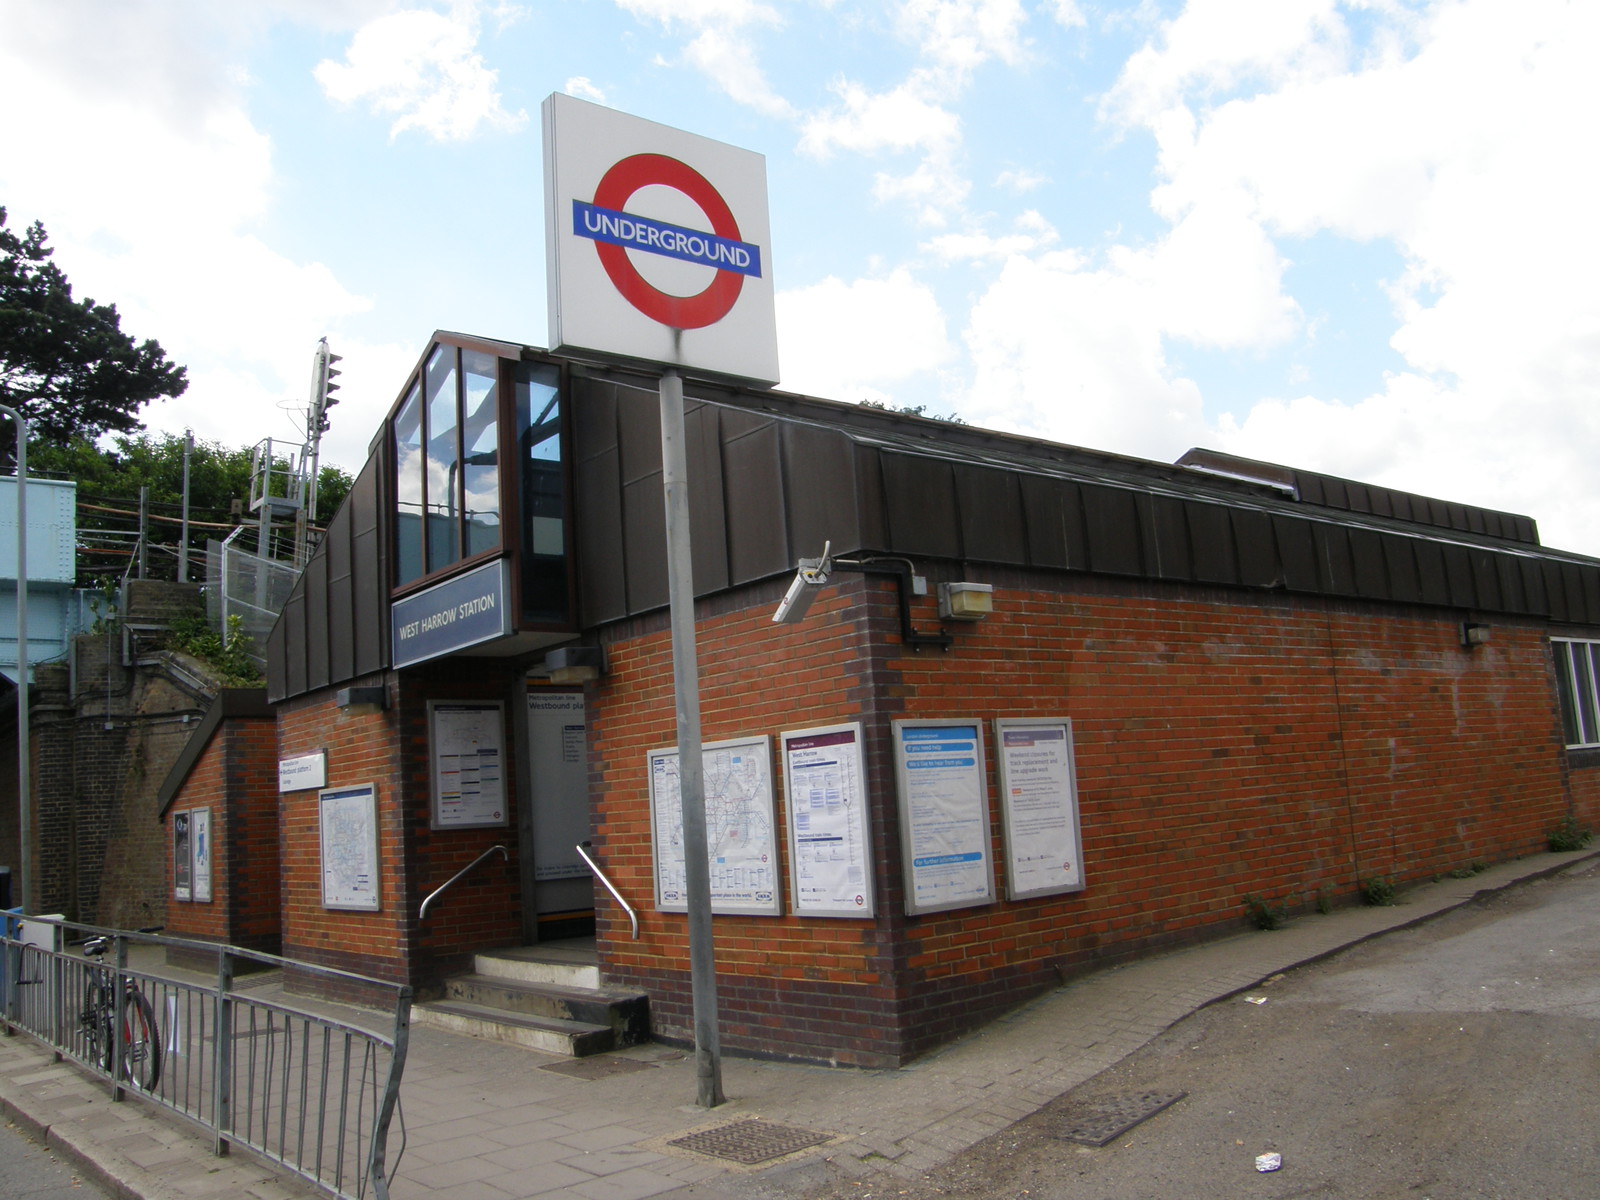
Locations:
(775, 475)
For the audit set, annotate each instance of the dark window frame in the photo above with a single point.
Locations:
(508, 486)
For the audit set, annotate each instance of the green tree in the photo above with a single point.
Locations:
(913, 410)
(110, 476)
(65, 364)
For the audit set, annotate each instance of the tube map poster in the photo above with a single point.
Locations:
(741, 832)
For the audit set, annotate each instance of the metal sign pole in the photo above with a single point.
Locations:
(24, 771)
(691, 777)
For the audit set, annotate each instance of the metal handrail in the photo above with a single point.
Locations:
(610, 887)
(422, 913)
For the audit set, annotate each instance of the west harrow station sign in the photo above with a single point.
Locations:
(657, 244)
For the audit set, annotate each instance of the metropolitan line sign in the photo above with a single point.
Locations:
(657, 244)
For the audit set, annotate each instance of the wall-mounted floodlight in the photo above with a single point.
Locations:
(808, 581)
(575, 664)
(1473, 633)
(965, 601)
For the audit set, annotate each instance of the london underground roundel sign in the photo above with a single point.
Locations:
(657, 244)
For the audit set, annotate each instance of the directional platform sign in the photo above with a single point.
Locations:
(658, 244)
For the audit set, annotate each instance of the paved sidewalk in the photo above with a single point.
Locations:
(489, 1122)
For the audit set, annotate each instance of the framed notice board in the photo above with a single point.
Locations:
(944, 814)
(830, 830)
(1039, 807)
(467, 762)
(741, 830)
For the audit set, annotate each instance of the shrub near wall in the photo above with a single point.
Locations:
(1226, 746)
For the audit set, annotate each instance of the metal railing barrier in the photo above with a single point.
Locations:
(310, 1086)
(583, 849)
(422, 913)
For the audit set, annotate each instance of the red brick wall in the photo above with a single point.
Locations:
(1226, 746)
(236, 778)
(389, 749)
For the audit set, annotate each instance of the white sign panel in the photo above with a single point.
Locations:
(200, 841)
(741, 833)
(303, 772)
(469, 780)
(944, 814)
(349, 829)
(1039, 807)
(657, 244)
(830, 843)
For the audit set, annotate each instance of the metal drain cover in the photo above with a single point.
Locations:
(1094, 1122)
(750, 1142)
(600, 1066)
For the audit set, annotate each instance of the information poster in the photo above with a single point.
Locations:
(200, 839)
(741, 832)
(1039, 807)
(349, 826)
(944, 814)
(830, 850)
(469, 781)
(182, 858)
(558, 745)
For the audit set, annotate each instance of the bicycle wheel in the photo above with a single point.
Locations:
(141, 1043)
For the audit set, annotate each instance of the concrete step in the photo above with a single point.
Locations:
(553, 1035)
(626, 1013)
(560, 963)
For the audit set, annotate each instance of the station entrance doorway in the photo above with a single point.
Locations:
(557, 886)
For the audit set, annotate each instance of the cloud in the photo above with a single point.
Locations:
(583, 88)
(141, 96)
(854, 341)
(1032, 234)
(1446, 130)
(722, 48)
(1070, 353)
(1020, 180)
(961, 35)
(423, 68)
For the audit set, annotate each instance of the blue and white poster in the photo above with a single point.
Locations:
(944, 814)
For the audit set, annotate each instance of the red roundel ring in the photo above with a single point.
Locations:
(680, 312)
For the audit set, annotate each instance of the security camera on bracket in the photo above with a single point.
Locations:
(808, 581)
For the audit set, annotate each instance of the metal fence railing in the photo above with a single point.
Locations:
(313, 1087)
(245, 585)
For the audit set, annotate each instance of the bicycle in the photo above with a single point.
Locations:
(141, 1040)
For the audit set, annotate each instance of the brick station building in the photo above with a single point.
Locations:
(1279, 684)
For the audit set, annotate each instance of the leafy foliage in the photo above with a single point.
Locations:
(913, 410)
(1378, 891)
(1264, 914)
(1571, 834)
(230, 658)
(65, 364)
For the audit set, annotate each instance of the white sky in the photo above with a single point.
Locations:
(1353, 237)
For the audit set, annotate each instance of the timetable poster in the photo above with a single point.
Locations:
(944, 814)
(469, 782)
(1039, 807)
(830, 849)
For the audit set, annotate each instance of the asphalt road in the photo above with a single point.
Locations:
(1458, 1060)
(28, 1171)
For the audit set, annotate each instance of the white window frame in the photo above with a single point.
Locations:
(1578, 687)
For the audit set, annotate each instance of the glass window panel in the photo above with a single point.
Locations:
(544, 495)
(444, 467)
(480, 438)
(1566, 693)
(1589, 652)
(408, 495)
